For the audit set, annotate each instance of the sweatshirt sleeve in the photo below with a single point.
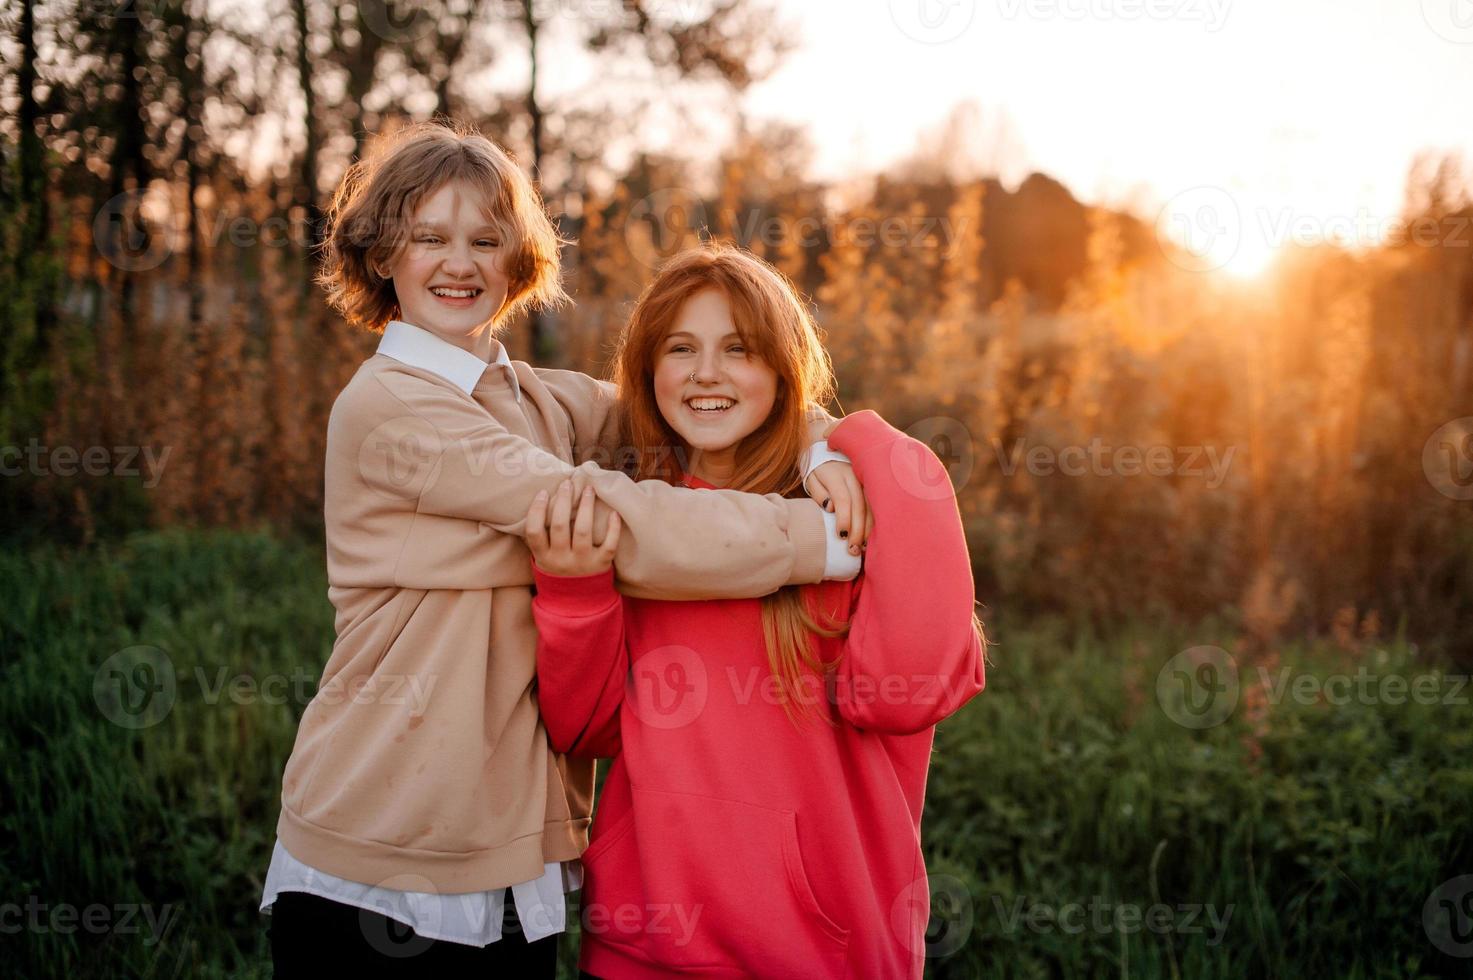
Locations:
(592, 407)
(912, 656)
(582, 661)
(451, 460)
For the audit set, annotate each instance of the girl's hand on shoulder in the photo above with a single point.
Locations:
(562, 540)
(836, 489)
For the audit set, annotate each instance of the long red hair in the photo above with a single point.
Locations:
(776, 326)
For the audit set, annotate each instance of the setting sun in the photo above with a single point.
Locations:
(1252, 259)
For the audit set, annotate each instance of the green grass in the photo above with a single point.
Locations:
(1064, 783)
(1050, 789)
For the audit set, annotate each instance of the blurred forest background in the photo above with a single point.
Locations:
(159, 296)
(165, 167)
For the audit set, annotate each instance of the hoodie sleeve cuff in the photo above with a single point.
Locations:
(574, 595)
(860, 430)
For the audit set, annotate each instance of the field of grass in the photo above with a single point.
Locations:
(1073, 827)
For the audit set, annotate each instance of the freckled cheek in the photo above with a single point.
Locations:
(667, 389)
(495, 275)
(409, 267)
(758, 388)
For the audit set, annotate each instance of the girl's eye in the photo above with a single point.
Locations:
(488, 243)
(679, 349)
(429, 240)
(738, 348)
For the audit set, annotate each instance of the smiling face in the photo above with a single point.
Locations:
(449, 276)
(733, 390)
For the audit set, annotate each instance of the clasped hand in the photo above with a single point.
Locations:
(561, 539)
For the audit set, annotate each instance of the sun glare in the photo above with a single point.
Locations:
(1251, 259)
(1209, 229)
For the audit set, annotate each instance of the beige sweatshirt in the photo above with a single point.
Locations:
(421, 764)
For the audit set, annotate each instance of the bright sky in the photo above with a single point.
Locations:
(1303, 115)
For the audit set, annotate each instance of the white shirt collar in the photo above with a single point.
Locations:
(417, 347)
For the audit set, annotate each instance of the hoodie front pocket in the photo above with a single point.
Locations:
(710, 883)
(607, 839)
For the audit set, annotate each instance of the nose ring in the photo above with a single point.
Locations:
(693, 377)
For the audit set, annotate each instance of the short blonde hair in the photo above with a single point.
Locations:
(368, 220)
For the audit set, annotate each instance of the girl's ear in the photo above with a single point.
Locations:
(377, 266)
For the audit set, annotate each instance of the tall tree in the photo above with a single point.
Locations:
(306, 192)
(731, 43)
(32, 184)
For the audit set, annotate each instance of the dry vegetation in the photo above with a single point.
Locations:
(1287, 418)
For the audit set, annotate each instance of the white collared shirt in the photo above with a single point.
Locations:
(417, 347)
(471, 918)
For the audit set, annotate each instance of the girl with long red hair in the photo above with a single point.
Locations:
(762, 815)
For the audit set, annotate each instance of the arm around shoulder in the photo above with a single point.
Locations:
(592, 407)
(913, 654)
(437, 449)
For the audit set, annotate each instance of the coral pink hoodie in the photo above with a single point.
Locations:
(729, 841)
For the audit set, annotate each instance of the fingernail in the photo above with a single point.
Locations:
(825, 503)
(843, 534)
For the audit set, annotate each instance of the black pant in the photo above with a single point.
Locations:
(315, 937)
